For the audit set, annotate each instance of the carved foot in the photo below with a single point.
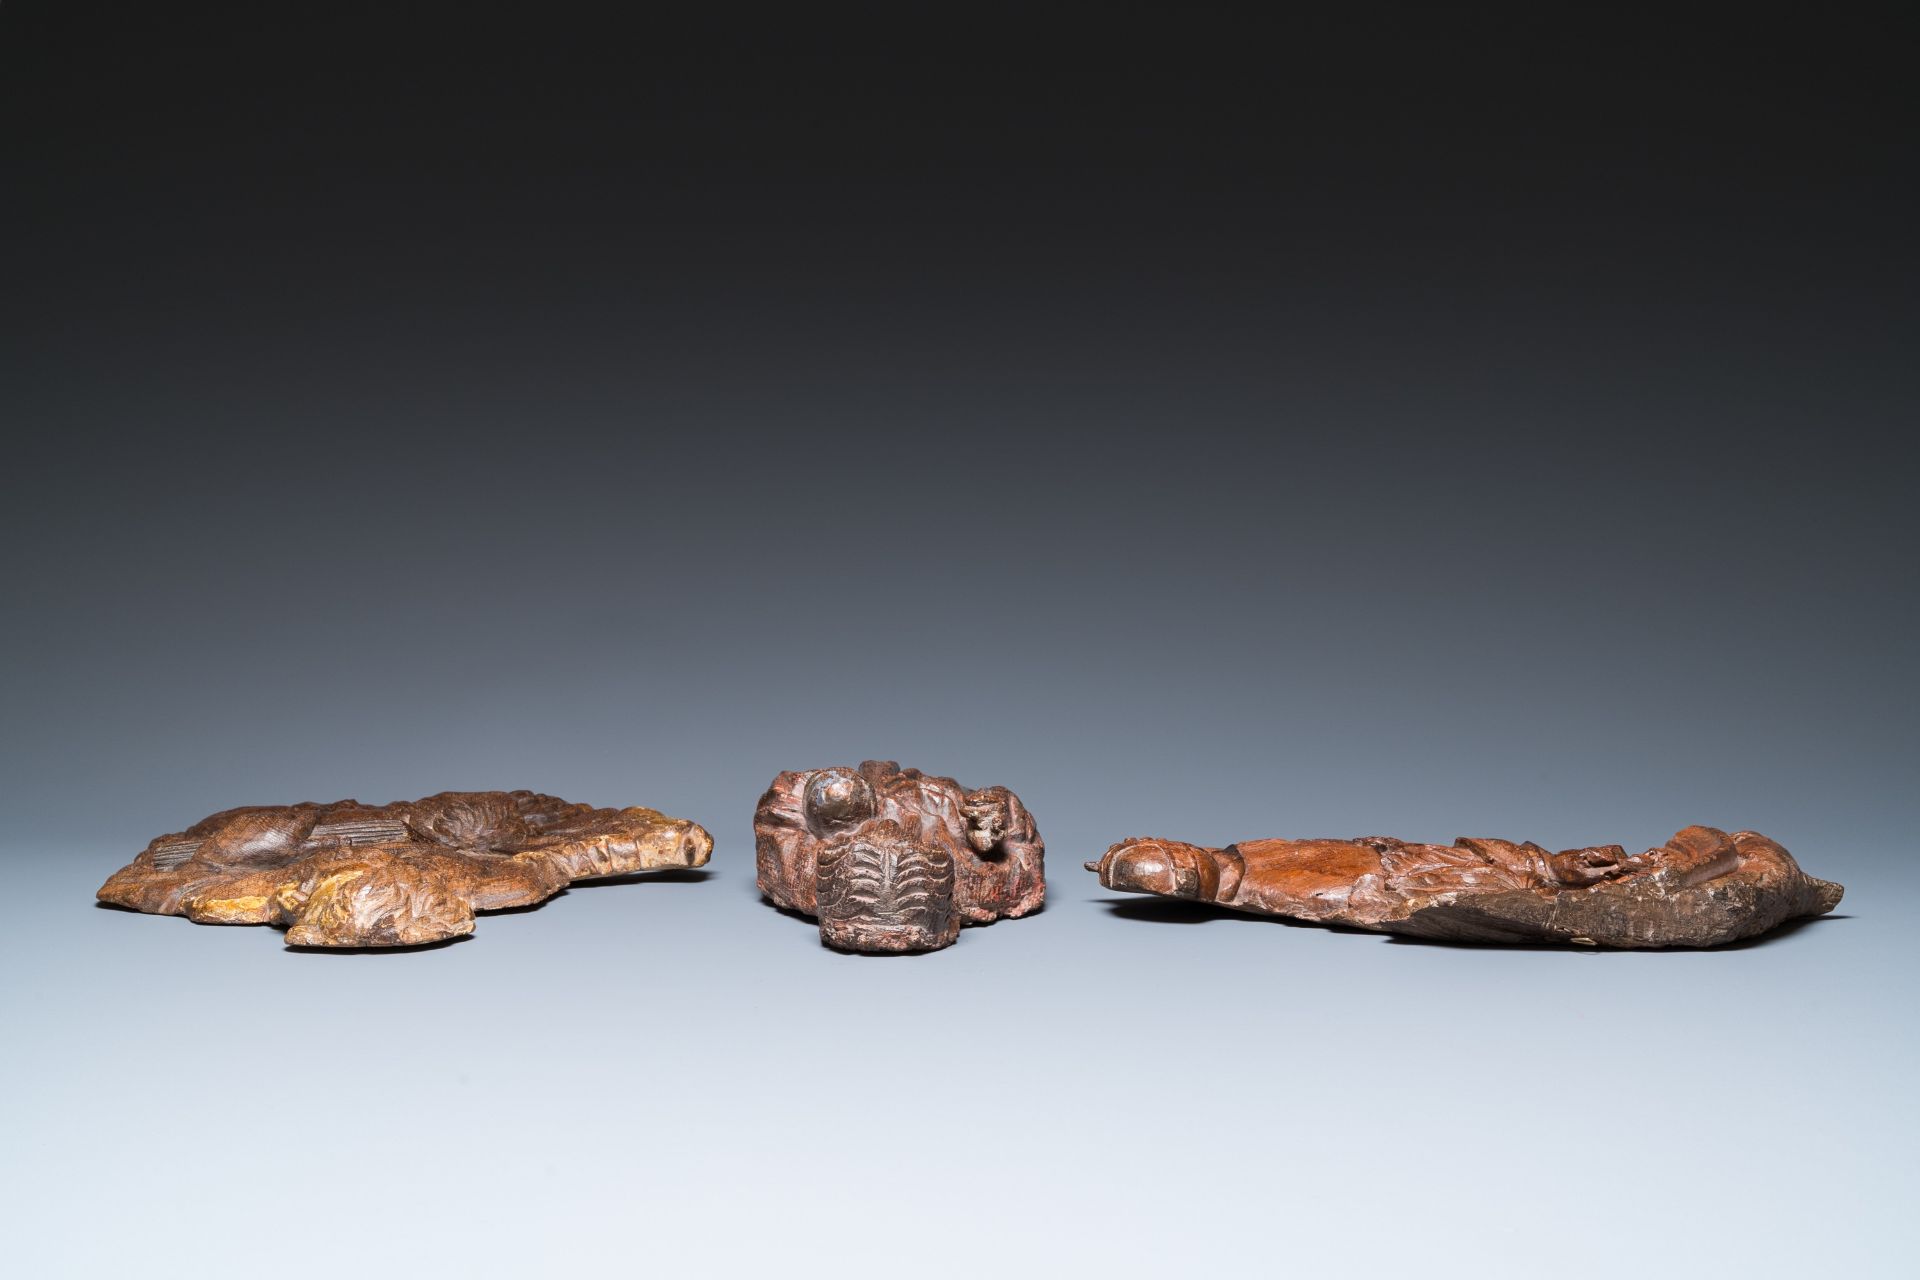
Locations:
(1168, 868)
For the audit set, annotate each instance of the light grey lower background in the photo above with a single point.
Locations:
(671, 1078)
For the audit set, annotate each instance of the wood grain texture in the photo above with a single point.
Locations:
(892, 859)
(354, 875)
(1702, 888)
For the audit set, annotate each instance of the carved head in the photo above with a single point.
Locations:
(837, 801)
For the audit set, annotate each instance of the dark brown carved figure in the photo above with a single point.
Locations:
(355, 875)
(1702, 888)
(890, 859)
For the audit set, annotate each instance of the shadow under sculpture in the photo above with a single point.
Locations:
(398, 875)
(1702, 888)
(894, 860)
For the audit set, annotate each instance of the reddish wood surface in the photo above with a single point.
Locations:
(1702, 888)
(892, 859)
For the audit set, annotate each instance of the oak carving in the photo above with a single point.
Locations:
(354, 875)
(894, 860)
(1702, 888)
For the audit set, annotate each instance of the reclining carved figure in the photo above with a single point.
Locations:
(1700, 889)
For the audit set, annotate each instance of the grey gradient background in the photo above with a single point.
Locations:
(1429, 425)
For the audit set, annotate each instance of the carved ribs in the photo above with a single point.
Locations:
(881, 890)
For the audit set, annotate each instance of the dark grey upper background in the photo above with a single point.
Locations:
(1392, 423)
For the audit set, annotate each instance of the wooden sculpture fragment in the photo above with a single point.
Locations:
(355, 875)
(894, 860)
(1702, 888)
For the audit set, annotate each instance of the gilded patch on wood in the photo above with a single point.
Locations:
(354, 875)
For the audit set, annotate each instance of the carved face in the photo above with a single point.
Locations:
(989, 816)
(891, 859)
